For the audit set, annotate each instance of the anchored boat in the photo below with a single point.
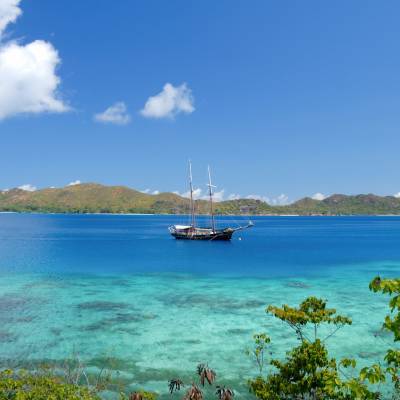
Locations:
(194, 232)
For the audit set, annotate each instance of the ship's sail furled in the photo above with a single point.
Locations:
(194, 232)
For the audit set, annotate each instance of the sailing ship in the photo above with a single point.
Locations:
(194, 232)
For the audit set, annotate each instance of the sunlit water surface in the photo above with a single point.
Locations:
(107, 286)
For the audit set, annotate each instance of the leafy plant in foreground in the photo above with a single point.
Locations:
(224, 393)
(206, 375)
(22, 385)
(141, 395)
(391, 324)
(308, 372)
(261, 341)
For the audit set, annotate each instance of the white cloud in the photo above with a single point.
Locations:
(73, 183)
(9, 12)
(169, 102)
(28, 187)
(149, 191)
(5, 190)
(219, 196)
(318, 196)
(199, 195)
(234, 196)
(397, 195)
(115, 114)
(28, 78)
(196, 194)
(280, 200)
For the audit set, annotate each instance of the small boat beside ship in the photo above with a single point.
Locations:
(195, 232)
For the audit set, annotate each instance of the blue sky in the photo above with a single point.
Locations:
(282, 98)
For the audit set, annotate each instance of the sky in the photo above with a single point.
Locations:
(284, 99)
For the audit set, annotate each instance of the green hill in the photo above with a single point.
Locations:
(348, 205)
(96, 198)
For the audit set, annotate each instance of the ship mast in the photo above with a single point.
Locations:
(210, 192)
(193, 222)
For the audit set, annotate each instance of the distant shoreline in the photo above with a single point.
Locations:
(93, 198)
(202, 215)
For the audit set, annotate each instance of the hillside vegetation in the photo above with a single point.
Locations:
(96, 198)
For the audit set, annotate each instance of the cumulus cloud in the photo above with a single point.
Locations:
(28, 187)
(169, 102)
(219, 196)
(9, 12)
(397, 195)
(234, 196)
(318, 196)
(149, 191)
(28, 78)
(280, 200)
(197, 194)
(115, 114)
(185, 194)
(73, 183)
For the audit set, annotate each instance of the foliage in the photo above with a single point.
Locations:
(391, 324)
(307, 372)
(224, 393)
(205, 375)
(261, 341)
(95, 198)
(311, 311)
(174, 385)
(193, 393)
(69, 381)
(140, 395)
(22, 385)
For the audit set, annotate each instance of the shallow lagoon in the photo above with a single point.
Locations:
(118, 286)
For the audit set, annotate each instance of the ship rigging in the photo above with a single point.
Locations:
(195, 232)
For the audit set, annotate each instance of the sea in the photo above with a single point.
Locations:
(117, 293)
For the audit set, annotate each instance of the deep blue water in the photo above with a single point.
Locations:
(113, 244)
(119, 286)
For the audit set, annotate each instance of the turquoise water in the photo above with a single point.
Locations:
(101, 286)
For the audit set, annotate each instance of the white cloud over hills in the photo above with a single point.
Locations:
(116, 114)
(28, 187)
(280, 200)
(318, 196)
(74, 183)
(169, 102)
(28, 79)
(199, 194)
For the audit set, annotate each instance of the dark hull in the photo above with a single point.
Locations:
(219, 235)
